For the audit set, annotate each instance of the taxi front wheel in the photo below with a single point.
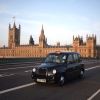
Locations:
(61, 80)
(81, 74)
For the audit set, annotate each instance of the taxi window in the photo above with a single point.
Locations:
(56, 58)
(70, 58)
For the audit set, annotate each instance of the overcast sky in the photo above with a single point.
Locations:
(61, 19)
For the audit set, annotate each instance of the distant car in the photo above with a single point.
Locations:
(58, 67)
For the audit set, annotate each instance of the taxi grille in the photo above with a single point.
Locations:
(41, 71)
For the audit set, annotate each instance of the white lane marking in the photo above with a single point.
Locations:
(8, 75)
(92, 68)
(0, 75)
(28, 71)
(90, 98)
(5, 75)
(97, 92)
(16, 68)
(16, 88)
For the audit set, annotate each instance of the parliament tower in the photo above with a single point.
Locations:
(14, 36)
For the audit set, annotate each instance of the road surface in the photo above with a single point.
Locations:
(16, 84)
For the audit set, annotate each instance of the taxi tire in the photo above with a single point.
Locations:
(81, 74)
(61, 80)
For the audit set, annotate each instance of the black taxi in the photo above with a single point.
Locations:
(58, 67)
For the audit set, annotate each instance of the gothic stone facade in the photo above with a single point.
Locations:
(14, 49)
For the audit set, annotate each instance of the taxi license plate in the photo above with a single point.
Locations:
(41, 80)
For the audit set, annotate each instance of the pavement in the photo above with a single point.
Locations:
(16, 84)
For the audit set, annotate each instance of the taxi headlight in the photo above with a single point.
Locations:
(54, 71)
(34, 69)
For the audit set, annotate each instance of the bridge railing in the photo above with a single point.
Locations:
(28, 60)
(16, 60)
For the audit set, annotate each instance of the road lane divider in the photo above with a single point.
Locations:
(0, 75)
(5, 75)
(94, 95)
(16, 68)
(8, 75)
(16, 88)
(91, 68)
(28, 71)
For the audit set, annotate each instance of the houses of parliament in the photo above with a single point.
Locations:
(15, 49)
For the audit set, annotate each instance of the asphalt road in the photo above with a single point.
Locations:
(16, 84)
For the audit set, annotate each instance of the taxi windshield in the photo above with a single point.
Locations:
(55, 58)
